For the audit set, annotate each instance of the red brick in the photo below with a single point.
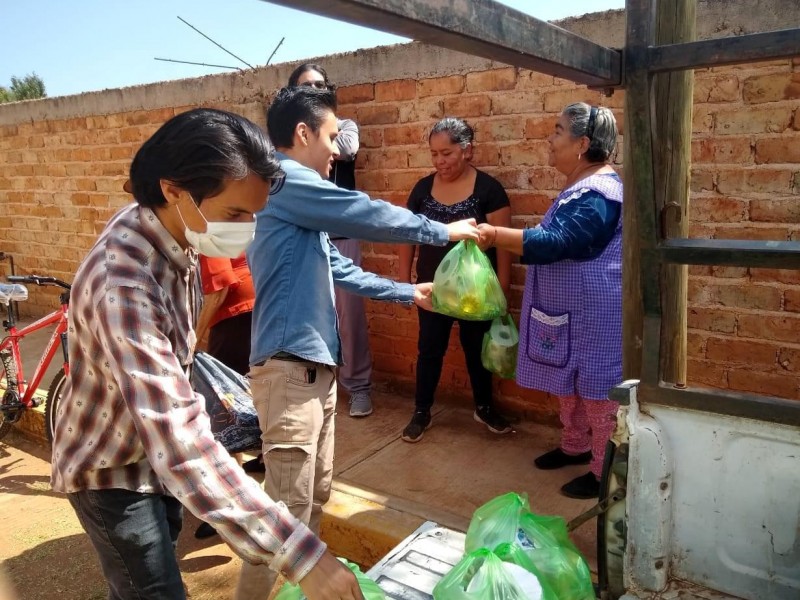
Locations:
(754, 180)
(405, 134)
(703, 119)
(739, 351)
(393, 91)
(717, 209)
(729, 272)
(711, 319)
(696, 345)
(735, 232)
(498, 130)
(724, 150)
(467, 106)
(753, 120)
(791, 301)
(701, 181)
(424, 109)
(767, 327)
(790, 276)
(516, 103)
(785, 149)
(377, 114)
(789, 359)
(497, 79)
(722, 88)
(440, 86)
(758, 297)
(419, 157)
(781, 386)
(778, 210)
(557, 100)
(403, 180)
(529, 152)
(355, 94)
(529, 203)
(771, 88)
(706, 374)
(485, 155)
(533, 80)
(540, 127)
(371, 137)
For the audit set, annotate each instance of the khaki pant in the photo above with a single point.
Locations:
(295, 403)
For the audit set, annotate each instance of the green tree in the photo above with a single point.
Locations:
(29, 87)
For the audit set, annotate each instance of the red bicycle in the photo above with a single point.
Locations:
(18, 393)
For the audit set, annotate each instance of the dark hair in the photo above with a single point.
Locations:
(457, 129)
(293, 105)
(199, 150)
(294, 78)
(596, 123)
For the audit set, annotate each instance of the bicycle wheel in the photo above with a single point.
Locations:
(5, 424)
(51, 403)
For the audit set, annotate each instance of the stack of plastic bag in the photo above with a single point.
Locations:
(505, 536)
(465, 285)
(369, 588)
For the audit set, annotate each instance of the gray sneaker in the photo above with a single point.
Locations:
(360, 404)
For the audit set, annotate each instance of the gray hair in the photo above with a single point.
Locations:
(457, 130)
(602, 135)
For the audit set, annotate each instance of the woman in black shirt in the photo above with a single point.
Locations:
(455, 191)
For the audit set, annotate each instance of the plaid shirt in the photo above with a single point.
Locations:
(129, 418)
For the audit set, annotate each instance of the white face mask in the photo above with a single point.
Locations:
(221, 239)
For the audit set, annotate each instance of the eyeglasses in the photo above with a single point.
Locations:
(320, 85)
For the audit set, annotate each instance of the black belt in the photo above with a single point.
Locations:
(334, 239)
(282, 356)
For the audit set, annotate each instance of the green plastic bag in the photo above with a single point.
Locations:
(544, 539)
(369, 588)
(465, 285)
(483, 575)
(500, 343)
(496, 522)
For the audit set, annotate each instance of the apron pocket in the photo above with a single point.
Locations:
(548, 338)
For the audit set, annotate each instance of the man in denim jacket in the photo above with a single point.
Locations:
(295, 341)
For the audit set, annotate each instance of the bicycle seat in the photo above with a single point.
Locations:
(12, 292)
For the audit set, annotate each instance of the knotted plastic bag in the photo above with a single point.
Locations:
(465, 285)
(369, 588)
(543, 539)
(500, 344)
(485, 575)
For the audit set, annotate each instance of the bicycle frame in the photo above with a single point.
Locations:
(27, 389)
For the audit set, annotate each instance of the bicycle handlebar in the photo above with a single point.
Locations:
(38, 280)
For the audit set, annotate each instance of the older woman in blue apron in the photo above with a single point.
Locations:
(571, 318)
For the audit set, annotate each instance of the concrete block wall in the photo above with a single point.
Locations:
(63, 162)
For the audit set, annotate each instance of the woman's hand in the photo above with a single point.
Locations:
(330, 579)
(423, 293)
(488, 235)
(463, 230)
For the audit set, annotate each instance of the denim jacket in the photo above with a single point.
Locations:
(295, 266)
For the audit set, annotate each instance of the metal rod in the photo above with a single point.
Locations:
(276, 49)
(188, 62)
(215, 43)
(734, 253)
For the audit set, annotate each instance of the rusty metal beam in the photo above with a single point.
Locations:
(482, 28)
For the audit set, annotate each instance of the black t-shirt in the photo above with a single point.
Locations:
(487, 197)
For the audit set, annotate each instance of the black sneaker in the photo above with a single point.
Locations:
(420, 421)
(493, 421)
(583, 487)
(555, 459)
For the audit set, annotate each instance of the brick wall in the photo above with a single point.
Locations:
(63, 162)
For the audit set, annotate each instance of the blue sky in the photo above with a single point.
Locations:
(87, 45)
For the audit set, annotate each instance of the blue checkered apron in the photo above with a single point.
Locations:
(570, 340)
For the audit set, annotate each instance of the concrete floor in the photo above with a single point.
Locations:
(455, 468)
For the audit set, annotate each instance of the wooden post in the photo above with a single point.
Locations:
(632, 317)
(672, 140)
